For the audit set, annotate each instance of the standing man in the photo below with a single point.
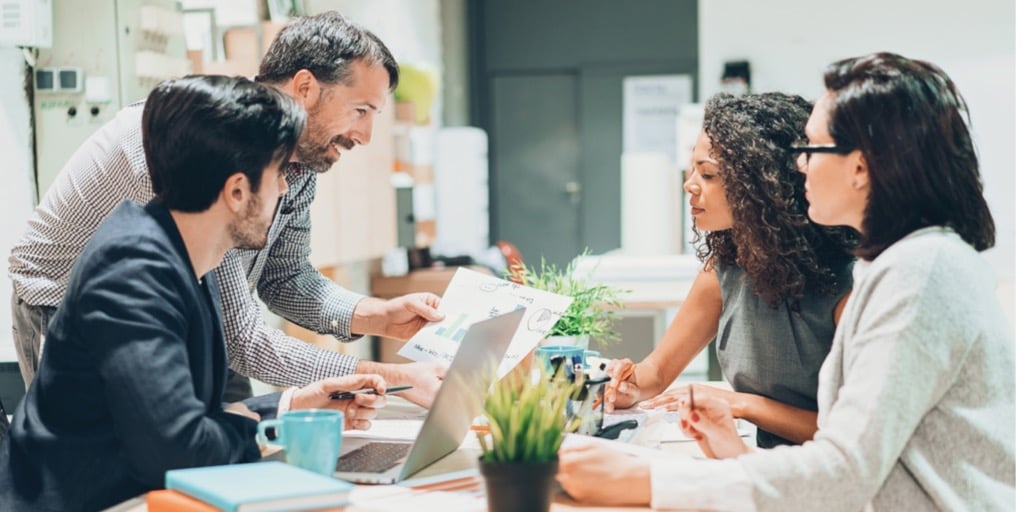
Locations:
(131, 381)
(342, 75)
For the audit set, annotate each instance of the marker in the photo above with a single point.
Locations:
(556, 365)
(691, 399)
(348, 395)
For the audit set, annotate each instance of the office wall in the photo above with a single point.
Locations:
(410, 28)
(789, 43)
(17, 190)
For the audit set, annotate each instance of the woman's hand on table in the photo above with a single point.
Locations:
(669, 400)
(590, 472)
(709, 421)
(358, 410)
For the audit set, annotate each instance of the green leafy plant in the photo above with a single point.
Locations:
(594, 307)
(526, 419)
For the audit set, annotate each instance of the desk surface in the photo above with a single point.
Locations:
(451, 483)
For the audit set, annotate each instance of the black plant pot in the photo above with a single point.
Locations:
(519, 487)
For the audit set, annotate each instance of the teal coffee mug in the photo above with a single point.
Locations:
(565, 355)
(311, 438)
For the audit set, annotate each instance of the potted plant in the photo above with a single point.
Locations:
(526, 423)
(593, 310)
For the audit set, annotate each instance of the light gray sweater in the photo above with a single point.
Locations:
(916, 401)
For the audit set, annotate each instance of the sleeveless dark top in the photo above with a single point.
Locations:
(775, 353)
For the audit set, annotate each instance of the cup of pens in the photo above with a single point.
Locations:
(570, 363)
(587, 404)
(558, 358)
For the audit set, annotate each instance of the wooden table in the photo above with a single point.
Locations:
(451, 483)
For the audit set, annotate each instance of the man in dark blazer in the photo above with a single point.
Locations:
(132, 377)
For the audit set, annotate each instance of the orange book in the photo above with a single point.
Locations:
(174, 501)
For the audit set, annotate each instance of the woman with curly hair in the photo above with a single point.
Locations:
(917, 395)
(773, 283)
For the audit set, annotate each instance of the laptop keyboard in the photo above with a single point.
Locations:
(373, 458)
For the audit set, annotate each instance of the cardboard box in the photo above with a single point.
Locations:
(405, 112)
(242, 44)
(270, 31)
(433, 280)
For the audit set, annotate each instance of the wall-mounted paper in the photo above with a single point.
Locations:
(650, 105)
(460, 184)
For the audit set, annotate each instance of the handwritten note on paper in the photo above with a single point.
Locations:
(471, 297)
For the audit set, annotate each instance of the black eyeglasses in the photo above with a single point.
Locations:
(803, 152)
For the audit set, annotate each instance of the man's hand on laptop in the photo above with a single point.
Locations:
(397, 318)
(424, 377)
(358, 411)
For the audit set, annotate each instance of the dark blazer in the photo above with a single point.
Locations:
(131, 377)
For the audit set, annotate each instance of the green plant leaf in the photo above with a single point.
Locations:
(594, 308)
(527, 420)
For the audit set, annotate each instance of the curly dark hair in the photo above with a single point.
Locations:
(783, 253)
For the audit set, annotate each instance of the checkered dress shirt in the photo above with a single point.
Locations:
(111, 167)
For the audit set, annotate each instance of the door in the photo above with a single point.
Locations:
(536, 158)
(546, 79)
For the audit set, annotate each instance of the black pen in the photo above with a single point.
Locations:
(348, 395)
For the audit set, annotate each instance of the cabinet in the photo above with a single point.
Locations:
(353, 214)
(119, 51)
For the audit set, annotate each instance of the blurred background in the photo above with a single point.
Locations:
(553, 126)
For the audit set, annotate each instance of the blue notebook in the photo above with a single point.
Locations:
(259, 486)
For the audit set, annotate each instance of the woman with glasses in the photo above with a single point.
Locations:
(773, 282)
(916, 397)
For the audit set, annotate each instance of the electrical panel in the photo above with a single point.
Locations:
(27, 23)
(106, 54)
(58, 80)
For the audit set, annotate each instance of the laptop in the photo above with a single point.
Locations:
(458, 401)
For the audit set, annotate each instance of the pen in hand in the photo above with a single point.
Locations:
(690, 386)
(616, 381)
(348, 395)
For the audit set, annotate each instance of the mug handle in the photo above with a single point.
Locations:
(587, 354)
(261, 432)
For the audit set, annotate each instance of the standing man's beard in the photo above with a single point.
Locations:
(250, 232)
(320, 158)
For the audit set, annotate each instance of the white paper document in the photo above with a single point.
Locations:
(472, 297)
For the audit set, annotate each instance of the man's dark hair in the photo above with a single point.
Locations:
(783, 253)
(911, 123)
(199, 130)
(326, 45)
